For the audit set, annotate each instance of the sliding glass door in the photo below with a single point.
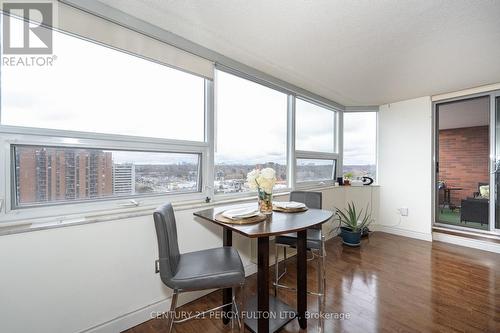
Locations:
(463, 163)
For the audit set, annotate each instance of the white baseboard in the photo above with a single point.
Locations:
(402, 232)
(139, 316)
(467, 242)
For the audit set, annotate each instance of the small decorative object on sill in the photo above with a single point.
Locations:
(367, 180)
(263, 181)
(340, 180)
(347, 178)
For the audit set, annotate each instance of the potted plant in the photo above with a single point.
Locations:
(347, 178)
(353, 223)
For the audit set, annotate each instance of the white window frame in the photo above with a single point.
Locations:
(13, 135)
(305, 154)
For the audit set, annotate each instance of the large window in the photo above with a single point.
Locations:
(92, 88)
(108, 125)
(56, 174)
(98, 124)
(360, 144)
(251, 132)
(315, 143)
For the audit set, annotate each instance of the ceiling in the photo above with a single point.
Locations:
(362, 52)
(466, 113)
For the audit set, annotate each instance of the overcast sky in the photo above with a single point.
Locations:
(96, 89)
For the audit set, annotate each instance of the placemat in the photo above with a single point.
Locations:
(289, 210)
(254, 219)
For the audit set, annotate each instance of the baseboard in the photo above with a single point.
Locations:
(402, 232)
(139, 316)
(467, 242)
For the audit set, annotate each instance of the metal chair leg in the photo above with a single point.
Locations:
(171, 313)
(322, 285)
(234, 309)
(276, 272)
(241, 312)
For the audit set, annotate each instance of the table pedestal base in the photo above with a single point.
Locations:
(279, 314)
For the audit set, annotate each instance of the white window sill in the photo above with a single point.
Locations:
(8, 228)
(15, 227)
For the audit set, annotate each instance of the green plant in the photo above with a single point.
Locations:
(348, 175)
(352, 219)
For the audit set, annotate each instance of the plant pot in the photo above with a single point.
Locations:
(349, 237)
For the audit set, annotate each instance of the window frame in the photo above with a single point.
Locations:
(306, 154)
(24, 135)
(84, 207)
(20, 135)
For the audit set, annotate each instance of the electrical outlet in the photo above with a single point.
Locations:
(403, 211)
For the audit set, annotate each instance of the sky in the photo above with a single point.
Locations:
(92, 88)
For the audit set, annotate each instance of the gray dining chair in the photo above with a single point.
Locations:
(315, 244)
(200, 270)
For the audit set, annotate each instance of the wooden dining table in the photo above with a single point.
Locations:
(267, 313)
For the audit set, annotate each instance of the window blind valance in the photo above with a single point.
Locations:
(95, 28)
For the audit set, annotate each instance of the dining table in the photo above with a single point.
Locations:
(266, 313)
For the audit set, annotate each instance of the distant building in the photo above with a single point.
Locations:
(124, 179)
(54, 174)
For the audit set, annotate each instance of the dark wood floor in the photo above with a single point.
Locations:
(390, 284)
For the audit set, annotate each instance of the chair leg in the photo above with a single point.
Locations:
(276, 271)
(322, 282)
(171, 313)
(234, 309)
(284, 260)
(241, 312)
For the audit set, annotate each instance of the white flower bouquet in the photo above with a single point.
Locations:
(263, 181)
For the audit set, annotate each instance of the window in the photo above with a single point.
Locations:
(93, 88)
(99, 125)
(45, 175)
(251, 132)
(315, 170)
(360, 144)
(315, 127)
(315, 143)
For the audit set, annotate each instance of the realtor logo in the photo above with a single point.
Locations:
(22, 28)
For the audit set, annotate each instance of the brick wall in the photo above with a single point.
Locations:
(464, 159)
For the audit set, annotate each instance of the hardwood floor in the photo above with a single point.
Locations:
(390, 284)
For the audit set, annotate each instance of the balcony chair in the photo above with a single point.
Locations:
(315, 244)
(200, 270)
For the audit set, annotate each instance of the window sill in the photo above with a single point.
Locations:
(9, 228)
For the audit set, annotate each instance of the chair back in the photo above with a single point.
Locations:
(310, 199)
(168, 248)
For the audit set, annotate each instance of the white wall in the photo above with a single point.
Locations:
(405, 166)
(100, 277)
(74, 278)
